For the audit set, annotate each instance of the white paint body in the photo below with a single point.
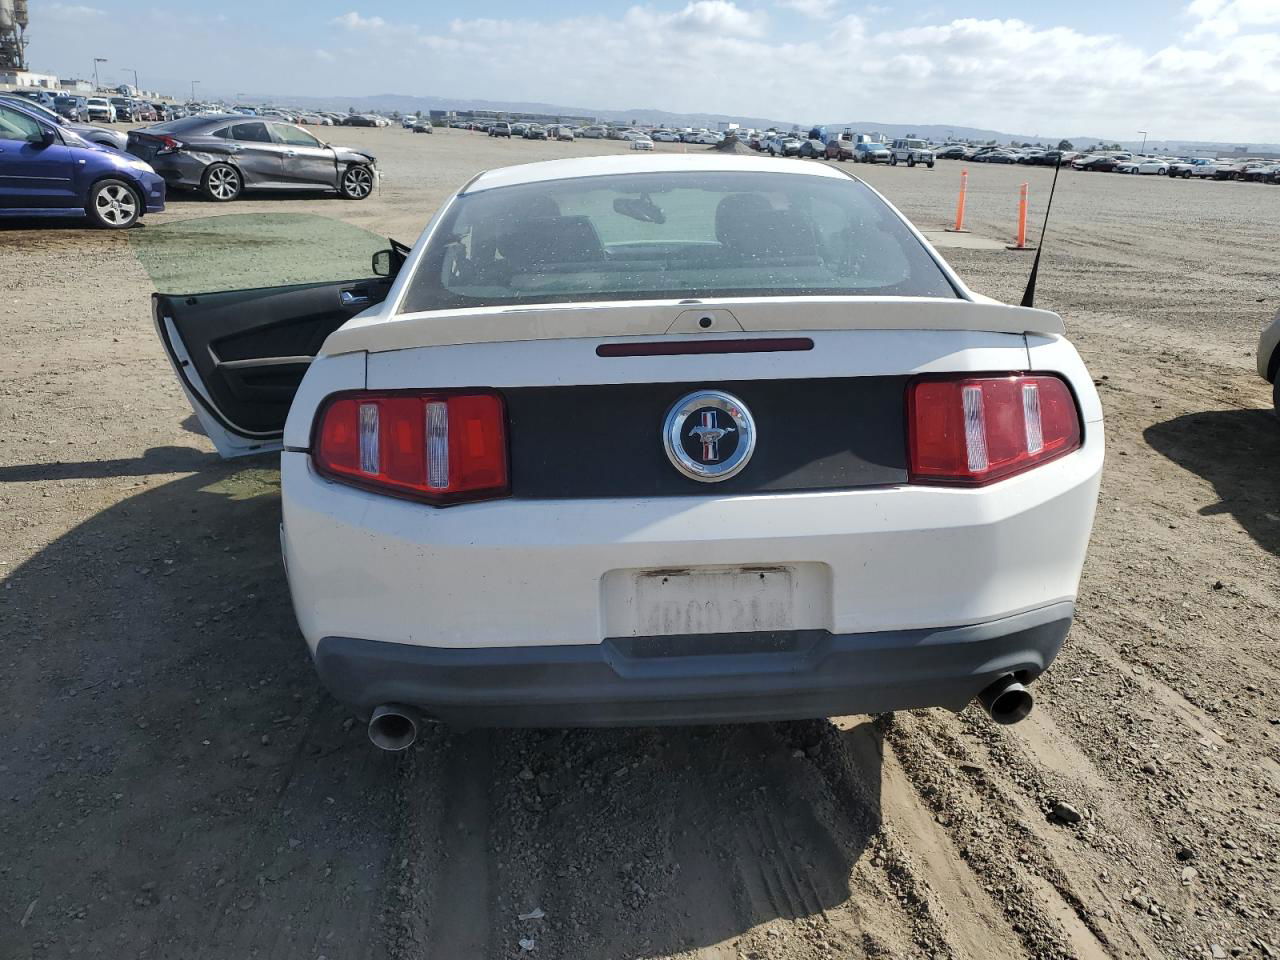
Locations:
(570, 572)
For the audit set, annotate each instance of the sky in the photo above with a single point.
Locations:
(1204, 69)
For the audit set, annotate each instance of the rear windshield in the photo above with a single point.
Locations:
(671, 236)
(180, 125)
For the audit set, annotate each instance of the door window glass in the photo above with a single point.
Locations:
(288, 133)
(253, 250)
(18, 126)
(251, 132)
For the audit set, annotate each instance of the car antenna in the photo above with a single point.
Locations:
(1029, 295)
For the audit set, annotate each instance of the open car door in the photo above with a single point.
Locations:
(240, 354)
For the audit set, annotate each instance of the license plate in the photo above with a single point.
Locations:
(705, 600)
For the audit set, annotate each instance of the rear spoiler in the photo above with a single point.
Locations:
(375, 332)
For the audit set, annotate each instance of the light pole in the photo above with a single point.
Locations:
(136, 88)
(1144, 141)
(193, 90)
(96, 61)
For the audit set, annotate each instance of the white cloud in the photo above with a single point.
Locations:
(1225, 18)
(816, 9)
(354, 21)
(70, 11)
(324, 56)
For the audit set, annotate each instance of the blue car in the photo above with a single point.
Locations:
(50, 171)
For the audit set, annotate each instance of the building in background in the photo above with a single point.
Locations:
(13, 36)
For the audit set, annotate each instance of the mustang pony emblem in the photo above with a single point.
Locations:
(709, 435)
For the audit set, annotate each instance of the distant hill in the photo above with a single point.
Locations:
(932, 131)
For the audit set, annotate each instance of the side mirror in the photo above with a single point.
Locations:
(382, 263)
(47, 137)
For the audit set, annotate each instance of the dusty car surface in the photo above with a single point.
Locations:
(659, 438)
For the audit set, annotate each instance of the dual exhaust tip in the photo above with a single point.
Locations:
(394, 727)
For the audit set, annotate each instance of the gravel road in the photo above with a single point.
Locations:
(174, 784)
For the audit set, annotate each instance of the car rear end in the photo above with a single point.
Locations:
(732, 508)
(173, 149)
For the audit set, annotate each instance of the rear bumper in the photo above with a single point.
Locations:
(695, 679)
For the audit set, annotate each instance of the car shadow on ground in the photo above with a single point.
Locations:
(1238, 452)
(157, 460)
(175, 781)
(183, 198)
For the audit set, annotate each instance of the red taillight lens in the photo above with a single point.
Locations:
(973, 430)
(432, 446)
(169, 145)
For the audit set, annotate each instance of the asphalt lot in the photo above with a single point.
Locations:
(173, 783)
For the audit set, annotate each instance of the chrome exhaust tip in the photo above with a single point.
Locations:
(1006, 701)
(393, 727)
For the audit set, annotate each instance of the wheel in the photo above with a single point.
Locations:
(911, 161)
(840, 157)
(893, 160)
(929, 164)
(1275, 395)
(1186, 174)
(221, 182)
(357, 182)
(113, 205)
(1134, 171)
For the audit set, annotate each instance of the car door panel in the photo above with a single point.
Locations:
(241, 354)
(309, 166)
(35, 175)
(260, 159)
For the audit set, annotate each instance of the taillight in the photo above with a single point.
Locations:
(972, 430)
(168, 145)
(435, 446)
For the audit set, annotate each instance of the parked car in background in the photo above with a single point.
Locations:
(659, 136)
(102, 136)
(500, 129)
(1144, 165)
(423, 126)
(98, 108)
(223, 156)
(48, 170)
(1097, 164)
(360, 120)
(535, 131)
(910, 152)
(783, 146)
(689, 566)
(870, 151)
(641, 143)
(709, 137)
(953, 152)
(564, 132)
(1206, 169)
(1262, 172)
(812, 148)
(840, 148)
(69, 106)
(126, 110)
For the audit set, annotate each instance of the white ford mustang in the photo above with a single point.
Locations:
(660, 439)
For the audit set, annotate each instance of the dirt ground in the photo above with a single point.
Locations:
(174, 784)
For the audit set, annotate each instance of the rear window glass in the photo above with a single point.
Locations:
(671, 236)
(181, 125)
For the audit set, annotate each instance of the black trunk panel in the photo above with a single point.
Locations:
(606, 440)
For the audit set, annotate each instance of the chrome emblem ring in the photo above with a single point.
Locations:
(709, 436)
